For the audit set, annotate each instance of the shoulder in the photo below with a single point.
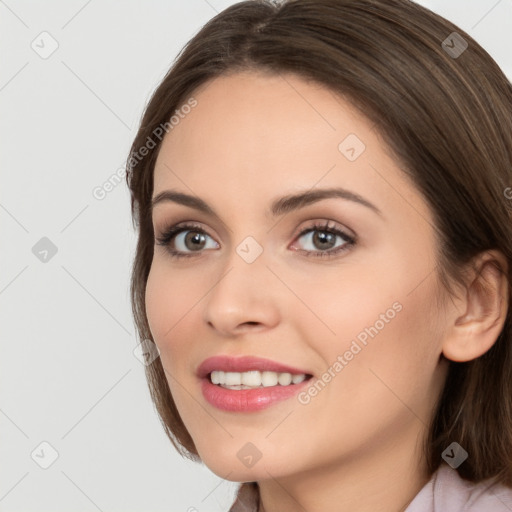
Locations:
(446, 490)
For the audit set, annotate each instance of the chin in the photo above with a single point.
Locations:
(243, 462)
(234, 470)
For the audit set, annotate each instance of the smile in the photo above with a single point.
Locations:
(247, 383)
(254, 379)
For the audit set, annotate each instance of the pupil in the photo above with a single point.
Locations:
(196, 238)
(322, 237)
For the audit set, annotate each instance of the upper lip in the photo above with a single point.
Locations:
(244, 364)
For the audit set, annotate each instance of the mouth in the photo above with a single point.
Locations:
(245, 384)
(255, 379)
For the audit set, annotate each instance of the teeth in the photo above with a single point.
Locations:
(285, 379)
(232, 379)
(217, 377)
(269, 379)
(254, 379)
(296, 379)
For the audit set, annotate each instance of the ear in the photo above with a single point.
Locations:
(484, 309)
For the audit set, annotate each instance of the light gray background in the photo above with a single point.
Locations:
(68, 373)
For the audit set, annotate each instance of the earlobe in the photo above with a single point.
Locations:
(485, 308)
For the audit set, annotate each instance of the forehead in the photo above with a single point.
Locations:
(254, 134)
(238, 114)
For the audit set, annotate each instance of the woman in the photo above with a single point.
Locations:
(324, 257)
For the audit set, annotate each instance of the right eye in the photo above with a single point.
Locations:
(185, 240)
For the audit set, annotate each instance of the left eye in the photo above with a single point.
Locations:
(323, 240)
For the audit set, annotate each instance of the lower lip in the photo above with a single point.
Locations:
(247, 400)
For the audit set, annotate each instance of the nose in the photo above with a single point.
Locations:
(244, 299)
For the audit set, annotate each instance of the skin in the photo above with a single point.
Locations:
(356, 445)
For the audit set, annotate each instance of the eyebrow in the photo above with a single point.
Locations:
(280, 206)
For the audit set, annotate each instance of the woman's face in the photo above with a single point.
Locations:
(351, 305)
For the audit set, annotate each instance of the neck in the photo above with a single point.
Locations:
(385, 477)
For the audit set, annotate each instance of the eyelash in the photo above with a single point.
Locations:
(169, 234)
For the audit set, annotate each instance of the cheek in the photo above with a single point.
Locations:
(169, 299)
(388, 365)
(379, 316)
(390, 352)
(347, 303)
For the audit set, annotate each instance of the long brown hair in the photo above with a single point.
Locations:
(444, 109)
